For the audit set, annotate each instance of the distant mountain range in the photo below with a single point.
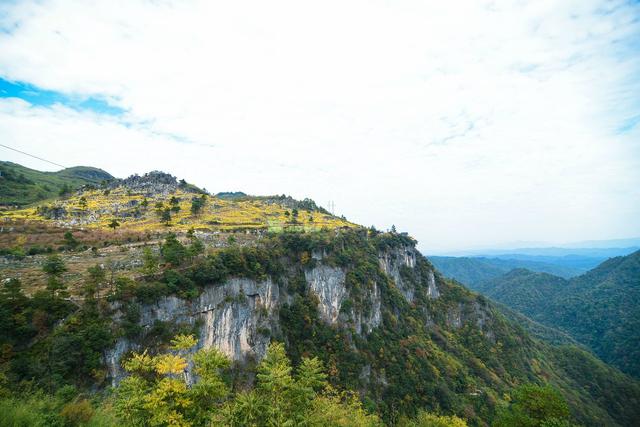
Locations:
(477, 267)
(473, 271)
(600, 309)
(556, 252)
(545, 248)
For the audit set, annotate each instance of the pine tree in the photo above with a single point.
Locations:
(166, 216)
(114, 224)
(275, 383)
(149, 262)
(54, 267)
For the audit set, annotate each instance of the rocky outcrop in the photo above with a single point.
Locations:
(155, 182)
(366, 320)
(474, 313)
(238, 317)
(394, 261)
(391, 262)
(432, 288)
(52, 212)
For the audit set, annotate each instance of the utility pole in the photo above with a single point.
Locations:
(332, 207)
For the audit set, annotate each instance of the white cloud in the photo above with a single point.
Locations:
(465, 124)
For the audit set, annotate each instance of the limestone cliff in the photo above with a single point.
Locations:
(239, 316)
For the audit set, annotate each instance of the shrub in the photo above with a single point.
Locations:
(77, 413)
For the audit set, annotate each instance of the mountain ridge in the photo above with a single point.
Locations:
(598, 308)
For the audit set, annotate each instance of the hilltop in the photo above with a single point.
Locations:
(157, 200)
(22, 186)
(104, 219)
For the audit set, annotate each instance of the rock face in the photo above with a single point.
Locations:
(395, 262)
(52, 212)
(234, 323)
(328, 285)
(236, 318)
(432, 290)
(239, 316)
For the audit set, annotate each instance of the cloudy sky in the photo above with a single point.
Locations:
(466, 123)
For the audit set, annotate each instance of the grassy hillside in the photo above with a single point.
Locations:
(144, 210)
(22, 186)
(600, 309)
(158, 202)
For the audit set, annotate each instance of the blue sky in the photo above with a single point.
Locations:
(46, 98)
(465, 123)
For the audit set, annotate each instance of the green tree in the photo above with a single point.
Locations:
(64, 190)
(157, 394)
(311, 377)
(197, 203)
(283, 399)
(173, 251)
(12, 290)
(69, 240)
(175, 204)
(165, 217)
(534, 406)
(426, 419)
(54, 267)
(196, 247)
(149, 262)
(97, 277)
(275, 384)
(114, 224)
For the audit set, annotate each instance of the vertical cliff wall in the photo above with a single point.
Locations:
(240, 315)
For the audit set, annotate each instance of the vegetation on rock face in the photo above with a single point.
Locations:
(600, 309)
(417, 360)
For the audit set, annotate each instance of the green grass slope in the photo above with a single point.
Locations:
(22, 186)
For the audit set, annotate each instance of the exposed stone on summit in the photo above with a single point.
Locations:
(150, 183)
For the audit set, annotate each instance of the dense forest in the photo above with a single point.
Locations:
(600, 309)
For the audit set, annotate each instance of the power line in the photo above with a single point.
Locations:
(31, 155)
